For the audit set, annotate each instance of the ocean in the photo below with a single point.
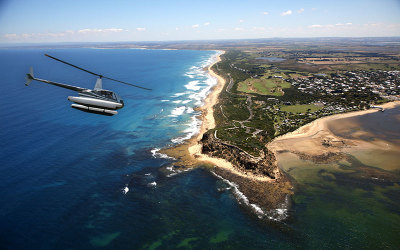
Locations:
(73, 180)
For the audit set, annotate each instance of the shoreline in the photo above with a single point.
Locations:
(262, 190)
(316, 140)
(265, 196)
(189, 153)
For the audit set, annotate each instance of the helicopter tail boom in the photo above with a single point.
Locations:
(30, 77)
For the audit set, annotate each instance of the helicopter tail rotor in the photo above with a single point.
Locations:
(29, 77)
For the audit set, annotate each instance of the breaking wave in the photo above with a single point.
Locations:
(241, 197)
(278, 214)
(156, 154)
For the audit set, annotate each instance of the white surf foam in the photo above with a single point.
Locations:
(192, 129)
(189, 110)
(173, 171)
(152, 184)
(193, 85)
(201, 88)
(241, 197)
(280, 213)
(200, 96)
(177, 111)
(125, 190)
(189, 75)
(179, 94)
(156, 154)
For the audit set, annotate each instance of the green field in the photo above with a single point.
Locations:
(301, 108)
(264, 86)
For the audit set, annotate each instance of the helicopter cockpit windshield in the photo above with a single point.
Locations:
(107, 94)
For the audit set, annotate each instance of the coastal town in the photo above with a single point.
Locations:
(384, 83)
(332, 91)
(270, 96)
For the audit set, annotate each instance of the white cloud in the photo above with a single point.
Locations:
(141, 29)
(241, 21)
(207, 23)
(10, 36)
(286, 13)
(194, 26)
(68, 35)
(265, 13)
(317, 29)
(92, 31)
(338, 25)
(300, 10)
(27, 35)
(343, 24)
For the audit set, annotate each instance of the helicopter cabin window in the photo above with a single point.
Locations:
(107, 94)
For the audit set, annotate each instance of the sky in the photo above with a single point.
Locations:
(47, 21)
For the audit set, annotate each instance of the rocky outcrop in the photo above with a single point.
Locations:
(324, 158)
(269, 195)
(264, 165)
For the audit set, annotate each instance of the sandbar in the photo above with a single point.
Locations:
(316, 141)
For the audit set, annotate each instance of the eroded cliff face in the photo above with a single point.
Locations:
(264, 165)
(269, 195)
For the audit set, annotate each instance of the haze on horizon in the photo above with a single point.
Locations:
(43, 21)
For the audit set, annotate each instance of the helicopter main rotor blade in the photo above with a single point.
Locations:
(126, 83)
(90, 72)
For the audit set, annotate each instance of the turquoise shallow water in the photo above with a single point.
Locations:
(64, 173)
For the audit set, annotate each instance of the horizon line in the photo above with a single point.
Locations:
(192, 40)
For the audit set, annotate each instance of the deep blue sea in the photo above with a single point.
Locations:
(74, 180)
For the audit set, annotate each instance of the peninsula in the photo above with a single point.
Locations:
(266, 93)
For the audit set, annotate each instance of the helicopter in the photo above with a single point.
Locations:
(97, 100)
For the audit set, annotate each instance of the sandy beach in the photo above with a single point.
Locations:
(313, 140)
(189, 154)
(316, 139)
(253, 187)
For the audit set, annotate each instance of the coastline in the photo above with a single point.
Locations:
(189, 153)
(266, 197)
(316, 141)
(208, 122)
(306, 140)
(185, 153)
